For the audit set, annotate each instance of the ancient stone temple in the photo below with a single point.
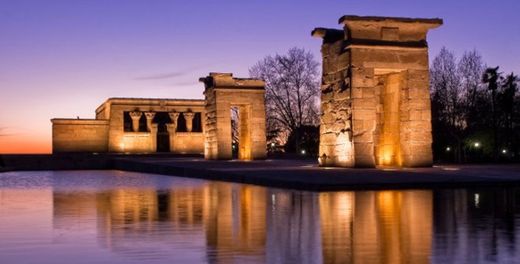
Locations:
(134, 125)
(375, 97)
(181, 126)
(223, 92)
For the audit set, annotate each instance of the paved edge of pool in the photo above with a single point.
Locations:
(311, 179)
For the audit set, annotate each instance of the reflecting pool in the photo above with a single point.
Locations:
(123, 217)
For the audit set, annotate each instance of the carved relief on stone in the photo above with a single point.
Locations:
(135, 115)
(188, 116)
(149, 117)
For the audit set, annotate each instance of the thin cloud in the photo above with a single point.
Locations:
(3, 134)
(185, 83)
(161, 76)
(168, 75)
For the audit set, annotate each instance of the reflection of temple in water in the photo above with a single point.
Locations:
(376, 227)
(477, 225)
(240, 222)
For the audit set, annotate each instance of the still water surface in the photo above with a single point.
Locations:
(122, 217)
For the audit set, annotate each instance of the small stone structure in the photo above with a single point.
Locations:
(222, 92)
(375, 98)
(134, 125)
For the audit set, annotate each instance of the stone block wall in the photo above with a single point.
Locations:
(187, 143)
(107, 133)
(79, 135)
(139, 142)
(117, 106)
(375, 93)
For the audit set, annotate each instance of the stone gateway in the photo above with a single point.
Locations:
(222, 93)
(375, 97)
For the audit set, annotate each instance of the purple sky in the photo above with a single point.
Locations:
(62, 58)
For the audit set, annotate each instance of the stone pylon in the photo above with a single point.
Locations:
(375, 98)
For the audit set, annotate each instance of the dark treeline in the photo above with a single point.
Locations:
(475, 110)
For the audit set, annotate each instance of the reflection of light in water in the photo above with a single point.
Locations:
(477, 200)
(273, 202)
(450, 168)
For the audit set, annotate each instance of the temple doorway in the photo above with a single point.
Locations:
(163, 137)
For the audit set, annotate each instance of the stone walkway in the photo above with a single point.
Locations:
(306, 175)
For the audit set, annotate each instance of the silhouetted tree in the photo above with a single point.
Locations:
(474, 109)
(507, 101)
(491, 77)
(447, 102)
(307, 141)
(470, 69)
(292, 90)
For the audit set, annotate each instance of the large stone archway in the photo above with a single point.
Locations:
(222, 92)
(375, 96)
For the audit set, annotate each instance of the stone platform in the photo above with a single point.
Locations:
(306, 175)
(289, 174)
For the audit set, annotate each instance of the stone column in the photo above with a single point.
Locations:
(136, 115)
(188, 116)
(153, 136)
(149, 117)
(172, 127)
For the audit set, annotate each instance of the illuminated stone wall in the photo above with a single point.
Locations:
(223, 92)
(187, 143)
(79, 135)
(107, 133)
(375, 98)
(118, 138)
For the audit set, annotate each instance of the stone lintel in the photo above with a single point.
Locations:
(226, 80)
(74, 121)
(389, 31)
(388, 46)
(435, 22)
(147, 102)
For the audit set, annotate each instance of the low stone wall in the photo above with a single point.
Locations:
(139, 142)
(187, 143)
(79, 135)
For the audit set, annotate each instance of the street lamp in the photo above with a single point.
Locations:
(476, 144)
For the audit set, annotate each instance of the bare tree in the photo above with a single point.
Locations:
(447, 99)
(470, 69)
(292, 89)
